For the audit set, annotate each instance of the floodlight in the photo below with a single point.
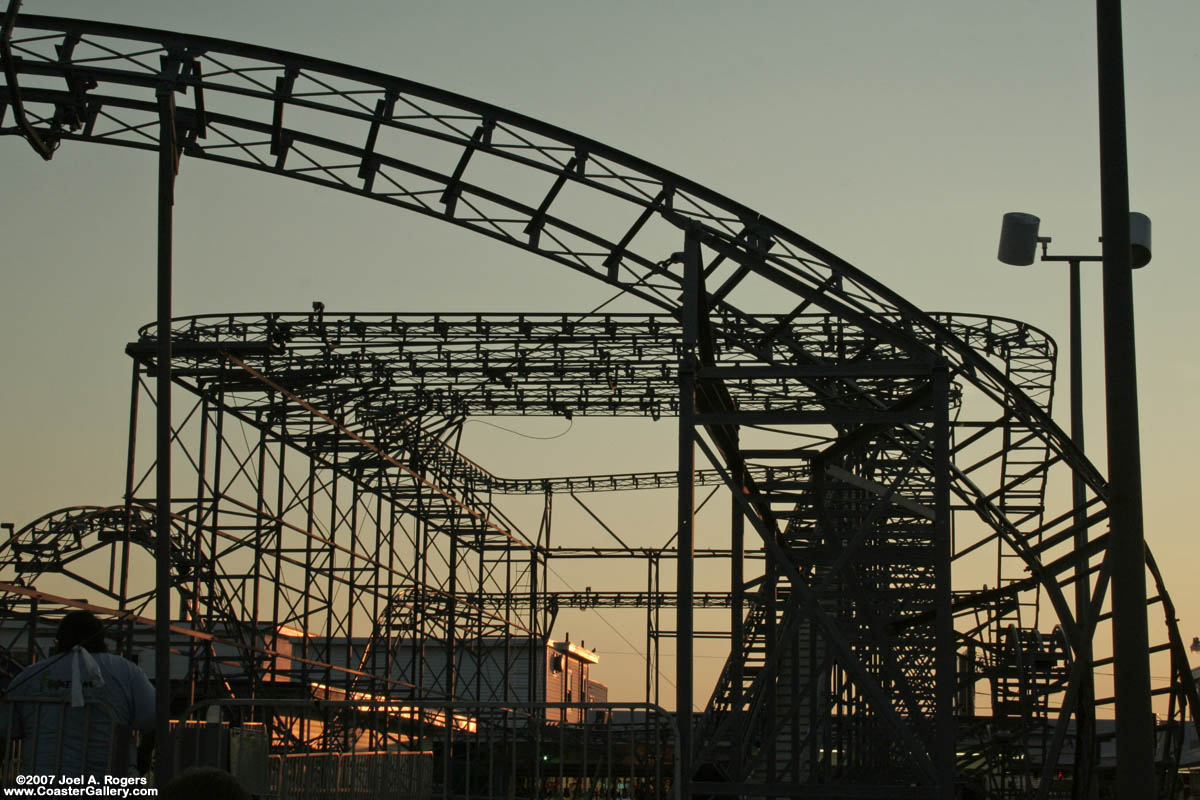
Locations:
(1139, 238)
(1018, 239)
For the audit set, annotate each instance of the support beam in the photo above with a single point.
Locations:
(688, 364)
(946, 657)
(164, 767)
(1084, 786)
(1135, 718)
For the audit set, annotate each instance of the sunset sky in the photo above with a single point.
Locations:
(894, 134)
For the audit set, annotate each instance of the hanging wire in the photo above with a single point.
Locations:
(570, 424)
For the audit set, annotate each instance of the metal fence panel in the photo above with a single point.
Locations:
(398, 749)
(46, 736)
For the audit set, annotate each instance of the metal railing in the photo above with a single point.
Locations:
(399, 749)
(385, 775)
(46, 736)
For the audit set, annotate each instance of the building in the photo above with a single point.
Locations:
(287, 662)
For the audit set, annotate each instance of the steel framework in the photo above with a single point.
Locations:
(348, 513)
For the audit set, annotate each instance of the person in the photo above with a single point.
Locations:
(74, 736)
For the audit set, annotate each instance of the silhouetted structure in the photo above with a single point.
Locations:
(342, 507)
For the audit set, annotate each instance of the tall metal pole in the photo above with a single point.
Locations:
(1083, 785)
(737, 608)
(685, 546)
(1134, 718)
(945, 664)
(162, 553)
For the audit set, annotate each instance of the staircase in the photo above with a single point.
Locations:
(757, 724)
(1024, 464)
(1025, 669)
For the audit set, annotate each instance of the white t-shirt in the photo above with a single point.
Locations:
(82, 735)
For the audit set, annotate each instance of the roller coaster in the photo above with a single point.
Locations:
(873, 455)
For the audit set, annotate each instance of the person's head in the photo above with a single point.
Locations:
(203, 783)
(81, 628)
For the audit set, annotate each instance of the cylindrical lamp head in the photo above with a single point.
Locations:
(1139, 238)
(1018, 239)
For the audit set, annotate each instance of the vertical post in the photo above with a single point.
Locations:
(478, 580)
(211, 519)
(307, 643)
(547, 618)
(256, 587)
(536, 657)
(510, 624)
(737, 606)
(31, 639)
(656, 627)
(1134, 718)
(130, 461)
(162, 585)
(420, 633)
(770, 691)
(946, 661)
(537, 626)
(451, 681)
(196, 551)
(330, 562)
(650, 601)
(1082, 785)
(277, 534)
(685, 545)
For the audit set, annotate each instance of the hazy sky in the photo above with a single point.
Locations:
(894, 134)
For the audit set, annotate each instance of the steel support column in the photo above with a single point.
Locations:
(737, 593)
(1134, 717)
(123, 591)
(162, 651)
(685, 545)
(946, 659)
(1083, 785)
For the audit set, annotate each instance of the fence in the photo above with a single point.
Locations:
(387, 775)
(46, 736)
(419, 750)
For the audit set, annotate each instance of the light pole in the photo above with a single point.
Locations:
(1127, 545)
(1019, 243)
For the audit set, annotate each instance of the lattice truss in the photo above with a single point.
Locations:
(322, 448)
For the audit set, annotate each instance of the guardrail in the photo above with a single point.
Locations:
(45, 736)
(399, 749)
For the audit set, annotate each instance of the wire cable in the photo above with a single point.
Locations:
(570, 424)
